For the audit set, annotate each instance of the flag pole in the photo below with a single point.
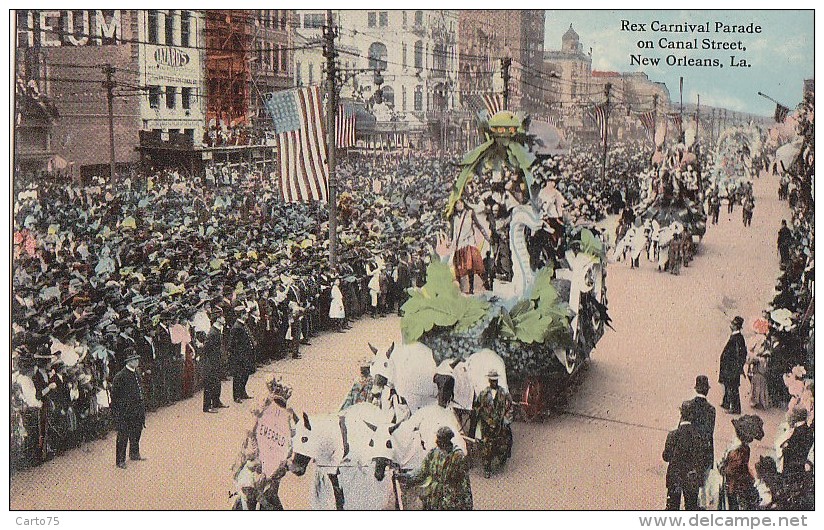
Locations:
(331, 110)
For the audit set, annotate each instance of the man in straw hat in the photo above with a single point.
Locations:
(733, 359)
(128, 409)
(493, 408)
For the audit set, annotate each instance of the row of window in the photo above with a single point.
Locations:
(381, 18)
(272, 18)
(171, 37)
(156, 95)
(272, 56)
(378, 56)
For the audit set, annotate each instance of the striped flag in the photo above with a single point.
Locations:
(345, 126)
(493, 103)
(648, 121)
(300, 129)
(675, 118)
(598, 114)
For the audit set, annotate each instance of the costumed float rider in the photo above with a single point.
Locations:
(467, 258)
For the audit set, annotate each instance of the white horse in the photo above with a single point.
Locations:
(338, 444)
(410, 369)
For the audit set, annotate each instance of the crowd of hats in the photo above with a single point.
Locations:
(790, 317)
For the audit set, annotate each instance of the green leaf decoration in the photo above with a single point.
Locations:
(540, 319)
(590, 244)
(439, 303)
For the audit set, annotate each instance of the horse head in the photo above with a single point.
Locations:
(382, 447)
(382, 364)
(444, 379)
(304, 444)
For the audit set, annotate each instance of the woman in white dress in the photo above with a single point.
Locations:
(337, 313)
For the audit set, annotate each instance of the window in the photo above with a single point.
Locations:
(189, 134)
(313, 21)
(185, 28)
(403, 98)
(284, 56)
(404, 18)
(311, 74)
(418, 18)
(419, 98)
(403, 55)
(170, 97)
(419, 54)
(298, 70)
(384, 19)
(170, 28)
(152, 27)
(275, 56)
(154, 97)
(186, 97)
(377, 56)
(388, 95)
(371, 19)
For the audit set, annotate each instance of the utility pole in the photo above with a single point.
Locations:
(109, 85)
(329, 34)
(506, 62)
(681, 110)
(607, 90)
(654, 121)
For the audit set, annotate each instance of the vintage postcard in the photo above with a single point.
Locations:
(412, 259)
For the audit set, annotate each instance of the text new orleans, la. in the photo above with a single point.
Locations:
(636, 59)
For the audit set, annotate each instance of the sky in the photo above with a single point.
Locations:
(781, 56)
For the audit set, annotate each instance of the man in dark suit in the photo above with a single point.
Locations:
(211, 367)
(683, 450)
(796, 448)
(732, 366)
(128, 409)
(241, 357)
(704, 419)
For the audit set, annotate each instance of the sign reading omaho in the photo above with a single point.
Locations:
(173, 57)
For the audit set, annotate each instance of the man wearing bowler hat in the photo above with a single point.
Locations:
(732, 366)
(128, 409)
(704, 420)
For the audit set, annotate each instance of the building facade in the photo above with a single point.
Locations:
(405, 59)
(171, 66)
(272, 60)
(487, 36)
(570, 71)
(62, 53)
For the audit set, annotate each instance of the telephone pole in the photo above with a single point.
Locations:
(654, 121)
(109, 85)
(607, 90)
(506, 62)
(329, 34)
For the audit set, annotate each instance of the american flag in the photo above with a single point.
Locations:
(598, 114)
(345, 126)
(493, 103)
(648, 121)
(675, 118)
(300, 128)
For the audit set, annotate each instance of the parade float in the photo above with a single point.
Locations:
(543, 322)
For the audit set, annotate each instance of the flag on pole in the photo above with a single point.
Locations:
(345, 126)
(300, 129)
(648, 121)
(780, 113)
(675, 118)
(493, 103)
(598, 115)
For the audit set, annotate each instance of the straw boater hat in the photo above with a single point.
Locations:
(492, 374)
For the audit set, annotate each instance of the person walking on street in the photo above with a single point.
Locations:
(732, 366)
(128, 410)
(684, 452)
(444, 476)
(241, 358)
(211, 367)
(494, 412)
(704, 421)
(784, 243)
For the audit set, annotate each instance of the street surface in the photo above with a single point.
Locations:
(603, 454)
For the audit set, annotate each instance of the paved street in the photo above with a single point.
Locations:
(604, 453)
